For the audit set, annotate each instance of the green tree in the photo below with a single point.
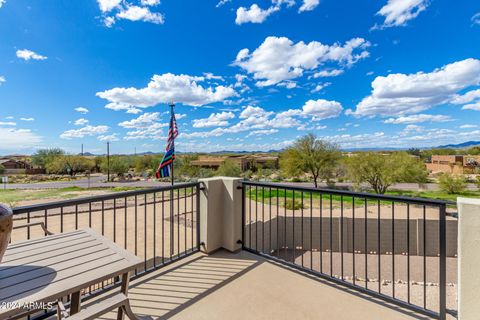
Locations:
(118, 165)
(452, 184)
(43, 157)
(414, 151)
(229, 168)
(474, 151)
(2, 169)
(186, 168)
(381, 171)
(71, 165)
(310, 155)
(477, 182)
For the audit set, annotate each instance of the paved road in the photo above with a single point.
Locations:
(99, 181)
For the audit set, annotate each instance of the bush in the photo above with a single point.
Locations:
(2, 169)
(452, 184)
(290, 205)
(478, 182)
(229, 169)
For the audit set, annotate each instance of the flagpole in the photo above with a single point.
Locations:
(172, 105)
(172, 213)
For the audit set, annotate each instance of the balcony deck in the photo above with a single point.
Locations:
(247, 286)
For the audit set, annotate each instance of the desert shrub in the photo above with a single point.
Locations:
(290, 205)
(452, 184)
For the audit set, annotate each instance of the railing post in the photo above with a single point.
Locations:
(443, 263)
(220, 214)
(468, 258)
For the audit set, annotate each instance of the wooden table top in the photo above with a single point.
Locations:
(44, 270)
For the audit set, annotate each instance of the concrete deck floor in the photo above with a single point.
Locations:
(246, 286)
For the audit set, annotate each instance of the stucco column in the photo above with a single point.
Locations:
(220, 214)
(468, 258)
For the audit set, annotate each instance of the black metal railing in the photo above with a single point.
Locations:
(159, 225)
(394, 248)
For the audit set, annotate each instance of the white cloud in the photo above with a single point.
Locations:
(400, 94)
(322, 109)
(136, 13)
(279, 59)
(80, 122)
(419, 118)
(26, 55)
(142, 121)
(222, 3)
(150, 2)
(468, 126)
(15, 139)
(320, 86)
(27, 119)
(398, 12)
(86, 131)
(309, 5)
(262, 132)
(476, 19)
(109, 21)
(2, 2)
(82, 110)
(164, 88)
(214, 120)
(472, 106)
(466, 97)
(153, 131)
(8, 123)
(254, 14)
(110, 137)
(108, 5)
(2, 80)
(328, 73)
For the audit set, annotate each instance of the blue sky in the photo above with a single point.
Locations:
(246, 75)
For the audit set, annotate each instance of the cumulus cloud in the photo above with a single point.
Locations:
(28, 119)
(81, 110)
(328, 73)
(399, 12)
(322, 109)
(280, 59)
(86, 131)
(262, 132)
(2, 80)
(15, 139)
(110, 137)
(164, 88)
(400, 94)
(254, 14)
(108, 5)
(308, 5)
(214, 120)
(26, 55)
(114, 10)
(2, 2)
(419, 118)
(468, 126)
(142, 121)
(136, 13)
(472, 106)
(80, 122)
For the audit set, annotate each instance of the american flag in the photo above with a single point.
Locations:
(165, 167)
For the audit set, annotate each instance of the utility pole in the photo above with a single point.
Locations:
(82, 151)
(108, 161)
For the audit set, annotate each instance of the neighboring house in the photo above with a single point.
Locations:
(244, 162)
(457, 164)
(14, 166)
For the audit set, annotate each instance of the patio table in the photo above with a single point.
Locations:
(36, 273)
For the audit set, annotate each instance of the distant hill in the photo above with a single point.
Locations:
(467, 144)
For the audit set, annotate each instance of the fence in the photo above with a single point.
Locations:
(159, 225)
(394, 248)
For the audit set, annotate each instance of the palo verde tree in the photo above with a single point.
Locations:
(310, 155)
(381, 171)
(44, 157)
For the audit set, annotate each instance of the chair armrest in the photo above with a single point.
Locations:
(32, 224)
